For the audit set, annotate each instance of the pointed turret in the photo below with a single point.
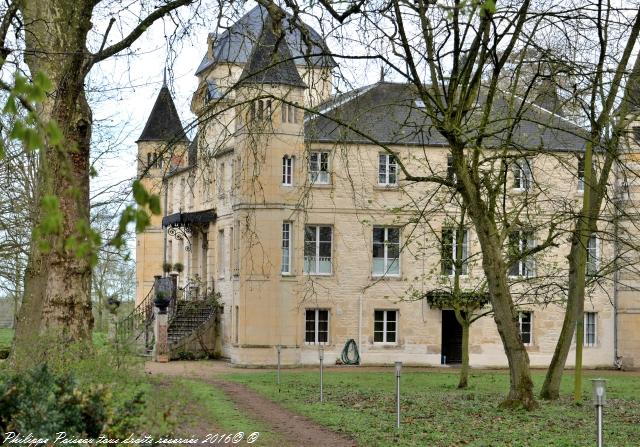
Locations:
(164, 123)
(271, 61)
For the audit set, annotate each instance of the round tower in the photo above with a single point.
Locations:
(162, 146)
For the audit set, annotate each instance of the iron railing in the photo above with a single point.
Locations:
(140, 318)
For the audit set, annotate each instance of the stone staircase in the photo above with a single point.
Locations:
(188, 317)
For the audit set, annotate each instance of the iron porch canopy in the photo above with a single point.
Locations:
(195, 218)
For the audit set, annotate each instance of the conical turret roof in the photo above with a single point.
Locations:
(164, 122)
(270, 61)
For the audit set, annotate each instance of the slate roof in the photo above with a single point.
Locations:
(163, 123)
(236, 43)
(270, 61)
(389, 114)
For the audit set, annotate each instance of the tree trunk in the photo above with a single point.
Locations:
(464, 370)
(577, 281)
(521, 385)
(57, 300)
(577, 257)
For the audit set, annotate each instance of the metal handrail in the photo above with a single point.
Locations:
(142, 313)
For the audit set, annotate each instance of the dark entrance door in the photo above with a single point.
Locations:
(451, 338)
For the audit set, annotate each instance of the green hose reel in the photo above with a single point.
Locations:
(350, 354)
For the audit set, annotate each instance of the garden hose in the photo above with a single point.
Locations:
(350, 354)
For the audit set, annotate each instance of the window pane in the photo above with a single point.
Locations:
(378, 337)
(391, 337)
(382, 168)
(393, 267)
(392, 170)
(325, 234)
(393, 235)
(378, 266)
(378, 315)
(391, 315)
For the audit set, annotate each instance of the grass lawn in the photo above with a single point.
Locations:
(6, 336)
(435, 413)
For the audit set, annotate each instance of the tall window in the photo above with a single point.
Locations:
(261, 110)
(387, 170)
(236, 248)
(287, 170)
(317, 250)
(319, 167)
(451, 246)
(525, 320)
(154, 160)
(289, 114)
(182, 191)
(221, 179)
(237, 323)
(592, 255)
(386, 251)
(385, 326)
(316, 326)
(286, 248)
(580, 174)
(519, 243)
(221, 254)
(522, 175)
(451, 172)
(590, 329)
(232, 252)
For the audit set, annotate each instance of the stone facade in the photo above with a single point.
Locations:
(237, 168)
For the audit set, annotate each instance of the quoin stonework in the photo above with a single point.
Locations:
(288, 207)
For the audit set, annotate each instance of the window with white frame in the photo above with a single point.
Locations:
(451, 247)
(385, 326)
(387, 170)
(319, 167)
(317, 249)
(525, 324)
(580, 174)
(522, 175)
(221, 249)
(590, 334)
(316, 326)
(286, 248)
(386, 251)
(287, 170)
(520, 242)
(592, 255)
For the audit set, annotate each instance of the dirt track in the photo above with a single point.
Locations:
(291, 429)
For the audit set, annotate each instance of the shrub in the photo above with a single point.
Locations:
(42, 402)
